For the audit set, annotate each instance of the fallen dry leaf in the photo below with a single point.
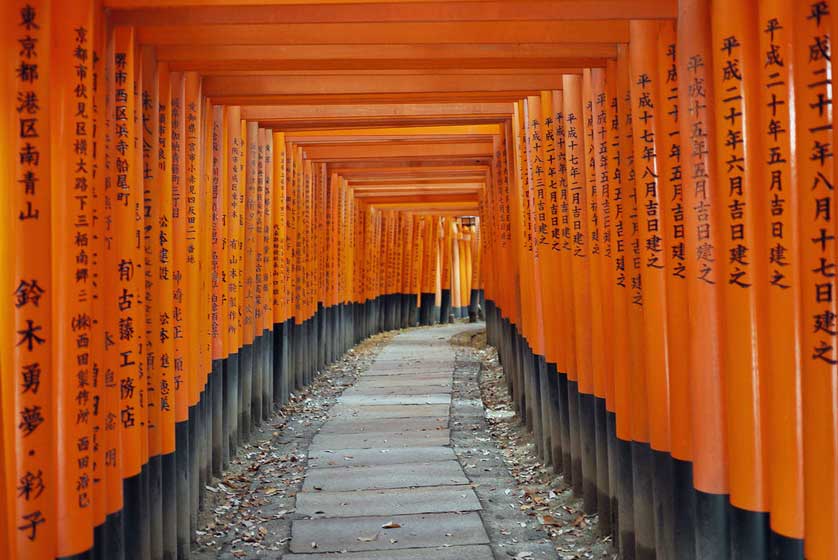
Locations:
(391, 525)
(550, 520)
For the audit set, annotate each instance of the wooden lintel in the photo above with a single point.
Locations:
(394, 150)
(360, 84)
(181, 12)
(388, 33)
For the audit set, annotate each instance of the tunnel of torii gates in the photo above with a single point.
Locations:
(206, 201)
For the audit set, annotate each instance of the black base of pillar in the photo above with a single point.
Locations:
(575, 441)
(135, 528)
(684, 506)
(474, 306)
(245, 392)
(625, 499)
(413, 313)
(257, 379)
(155, 506)
(644, 516)
(445, 307)
(782, 547)
(108, 542)
(183, 488)
(426, 309)
(406, 307)
(712, 535)
(170, 514)
(663, 493)
(217, 388)
(195, 440)
(603, 483)
(587, 437)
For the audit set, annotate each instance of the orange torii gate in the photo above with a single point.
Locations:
(208, 201)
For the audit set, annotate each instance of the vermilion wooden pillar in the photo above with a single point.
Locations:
(192, 293)
(623, 198)
(779, 361)
(71, 160)
(814, 139)
(163, 331)
(703, 207)
(580, 252)
(671, 192)
(567, 370)
(552, 152)
(652, 454)
(149, 114)
(182, 359)
(601, 297)
(125, 315)
(736, 59)
(29, 420)
(608, 166)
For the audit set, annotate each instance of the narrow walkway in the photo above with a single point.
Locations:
(383, 481)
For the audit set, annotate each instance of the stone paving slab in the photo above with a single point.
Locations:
(404, 356)
(404, 475)
(354, 534)
(412, 364)
(375, 457)
(390, 411)
(379, 440)
(360, 426)
(398, 501)
(430, 358)
(377, 400)
(398, 390)
(393, 372)
(427, 380)
(480, 552)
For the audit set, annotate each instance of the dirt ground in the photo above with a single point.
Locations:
(541, 494)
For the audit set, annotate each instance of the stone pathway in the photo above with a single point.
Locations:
(383, 481)
(393, 433)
